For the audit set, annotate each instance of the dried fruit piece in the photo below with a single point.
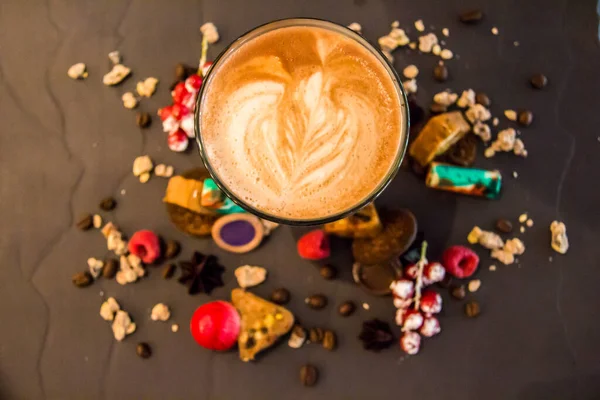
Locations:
(216, 325)
(376, 335)
(82, 279)
(560, 241)
(410, 342)
(143, 350)
(314, 245)
(146, 245)
(77, 71)
(116, 75)
(460, 262)
(249, 276)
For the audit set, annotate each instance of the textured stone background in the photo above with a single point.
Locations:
(65, 144)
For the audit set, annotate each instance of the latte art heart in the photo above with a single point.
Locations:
(303, 130)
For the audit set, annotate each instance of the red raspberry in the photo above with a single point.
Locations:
(460, 261)
(434, 272)
(314, 245)
(413, 320)
(145, 245)
(165, 112)
(180, 93)
(178, 141)
(411, 271)
(431, 327)
(410, 342)
(431, 302)
(193, 83)
(403, 288)
(179, 111)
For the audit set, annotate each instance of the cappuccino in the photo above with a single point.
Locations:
(301, 122)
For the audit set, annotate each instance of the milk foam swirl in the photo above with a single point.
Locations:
(304, 135)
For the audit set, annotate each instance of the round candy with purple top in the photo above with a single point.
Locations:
(238, 233)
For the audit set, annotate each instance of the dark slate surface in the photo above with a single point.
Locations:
(66, 144)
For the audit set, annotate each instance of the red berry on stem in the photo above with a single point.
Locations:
(431, 302)
(411, 271)
(413, 320)
(165, 112)
(145, 245)
(193, 83)
(314, 245)
(179, 111)
(180, 93)
(434, 272)
(460, 261)
(216, 325)
(431, 327)
(403, 288)
(178, 141)
(410, 342)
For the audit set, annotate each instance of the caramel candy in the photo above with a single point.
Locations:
(364, 223)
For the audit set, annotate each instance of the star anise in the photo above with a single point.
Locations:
(201, 274)
(376, 335)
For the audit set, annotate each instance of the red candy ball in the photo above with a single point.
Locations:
(216, 325)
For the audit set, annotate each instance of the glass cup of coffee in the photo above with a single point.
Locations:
(302, 121)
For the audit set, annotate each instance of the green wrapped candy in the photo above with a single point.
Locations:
(213, 198)
(471, 181)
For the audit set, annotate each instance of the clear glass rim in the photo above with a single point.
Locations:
(319, 23)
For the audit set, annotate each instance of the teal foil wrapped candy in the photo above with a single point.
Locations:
(213, 198)
(470, 181)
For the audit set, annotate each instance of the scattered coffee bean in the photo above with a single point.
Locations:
(85, 222)
(346, 309)
(472, 309)
(108, 204)
(504, 225)
(483, 99)
(172, 248)
(315, 335)
(458, 292)
(111, 266)
(446, 282)
(436, 108)
(309, 375)
(440, 73)
(168, 271)
(471, 17)
(82, 279)
(143, 119)
(316, 301)
(525, 118)
(328, 272)
(143, 350)
(464, 151)
(329, 340)
(539, 81)
(280, 296)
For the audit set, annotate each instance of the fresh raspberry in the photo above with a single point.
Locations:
(413, 320)
(410, 342)
(434, 272)
(179, 111)
(180, 93)
(314, 245)
(402, 303)
(403, 288)
(145, 245)
(165, 112)
(460, 261)
(411, 271)
(178, 141)
(431, 327)
(431, 302)
(193, 83)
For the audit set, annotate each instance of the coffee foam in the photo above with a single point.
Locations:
(301, 122)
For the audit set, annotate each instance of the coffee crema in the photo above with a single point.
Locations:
(301, 122)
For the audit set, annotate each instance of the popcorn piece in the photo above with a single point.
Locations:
(494, 31)
(445, 98)
(174, 328)
(160, 312)
(116, 75)
(436, 50)
(487, 239)
(426, 42)
(77, 71)
(419, 25)
(411, 72)
(249, 276)
(511, 115)
(483, 131)
(474, 285)
(122, 325)
(467, 99)
(355, 26)
(410, 86)
(519, 148)
(164, 171)
(529, 223)
(560, 241)
(507, 141)
(410, 342)
(109, 308)
(129, 100)
(147, 87)
(523, 218)
(446, 32)
(515, 246)
(130, 269)
(477, 112)
(114, 57)
(446, 54)
(95, 266)
(505, 257)
(210, 33)
(145, 177)
(396, 37)
(142, 165)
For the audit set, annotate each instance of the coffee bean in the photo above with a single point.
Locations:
(168, 271)
(143, 119)
(108, 204)
(329, 340)
(346, 309)
(111, 266)
(85, 222)
(440, 73)
(471, 17)
(539, 81)
(328, 272)
(483, 99)
(458, 292)
(172, 248)
(472, 309)
(525, 118)
(316, 301)
(464, 151)
(309, 375)
(82, 279)
(143, 350)
(315, 335)
(504, 225)
(446, 282)
(182, 71)
(436, 108)
(280, 296)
